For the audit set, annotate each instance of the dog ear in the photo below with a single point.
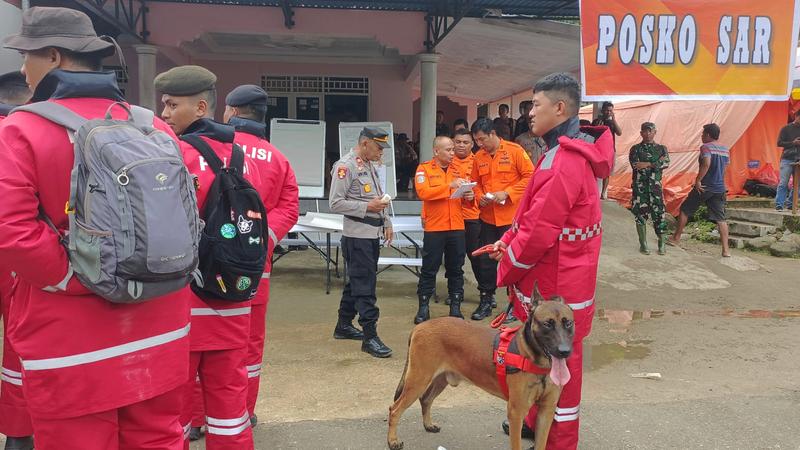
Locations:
(537, 296)
(558, 299)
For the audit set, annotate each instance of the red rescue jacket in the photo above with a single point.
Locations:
(80, 353)
(216, 324)
(554, 240)
(280, 195)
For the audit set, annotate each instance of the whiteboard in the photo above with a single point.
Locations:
(303, 144)
(348, 138)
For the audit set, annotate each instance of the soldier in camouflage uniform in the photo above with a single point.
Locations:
(648, 161)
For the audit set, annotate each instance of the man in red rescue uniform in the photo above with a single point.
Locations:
(96, 375)
(15, 421)
(246, 109)
(220, 329)
(554, 240)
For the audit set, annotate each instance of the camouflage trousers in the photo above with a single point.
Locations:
(648, 201)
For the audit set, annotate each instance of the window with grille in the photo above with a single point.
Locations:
(310, 84)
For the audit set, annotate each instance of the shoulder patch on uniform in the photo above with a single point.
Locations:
(547, 161)
(341, 173)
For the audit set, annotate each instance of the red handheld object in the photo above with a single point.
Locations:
(486, 249)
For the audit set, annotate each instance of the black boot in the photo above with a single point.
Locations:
(494, 301)
(19, 443)
(345, 330)
(375, 347)
(423, 313)
(484, 309)
(455, 305)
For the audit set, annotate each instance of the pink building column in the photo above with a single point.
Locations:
(147, 72)
(427, 104)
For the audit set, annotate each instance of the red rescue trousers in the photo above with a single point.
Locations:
(253, 363)
(566, 426)
(15, 420)
(223, 379)
(152, 424)
(255, 351)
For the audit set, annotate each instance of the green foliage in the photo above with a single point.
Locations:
(702, 227)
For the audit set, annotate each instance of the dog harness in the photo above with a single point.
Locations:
(507, 358)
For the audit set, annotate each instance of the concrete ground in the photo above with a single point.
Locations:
(722, 334)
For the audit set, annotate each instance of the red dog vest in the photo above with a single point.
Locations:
(510, 361)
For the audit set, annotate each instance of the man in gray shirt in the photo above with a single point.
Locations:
(789, 139)
(356, 193)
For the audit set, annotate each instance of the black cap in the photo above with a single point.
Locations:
(649, 126)
(13, 79)
(402, 137)
(183, 81)
(246, 94)
(378, 135)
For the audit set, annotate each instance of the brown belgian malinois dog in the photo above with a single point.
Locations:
(447, 350)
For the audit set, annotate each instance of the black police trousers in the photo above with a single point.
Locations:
(472, 238)
(358, 296)
(487, 280)
(434, 245)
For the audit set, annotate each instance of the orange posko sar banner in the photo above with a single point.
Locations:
(688, 49)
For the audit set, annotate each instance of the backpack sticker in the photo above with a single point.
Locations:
(245, 226)
(228, 231)
(221, 283)
(242, 283)
(254, 240)
(253, 214)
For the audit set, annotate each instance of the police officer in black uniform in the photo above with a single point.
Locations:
(356, 193)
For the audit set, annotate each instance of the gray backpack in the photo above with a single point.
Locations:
(133, 223)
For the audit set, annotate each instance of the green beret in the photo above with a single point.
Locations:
(184, 81)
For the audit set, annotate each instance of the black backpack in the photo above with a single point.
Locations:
(233, 246)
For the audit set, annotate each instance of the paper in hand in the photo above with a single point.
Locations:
(464, 188)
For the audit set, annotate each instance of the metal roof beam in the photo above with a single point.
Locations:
(129, 16)
(288, 14)
(442, 18)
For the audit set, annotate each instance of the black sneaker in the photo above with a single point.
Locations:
(778, 208)
(527, 433)
(195, 433)
(19, 443)
(376, 347)
(347, 331)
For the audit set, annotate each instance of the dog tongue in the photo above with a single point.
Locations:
(559, 372)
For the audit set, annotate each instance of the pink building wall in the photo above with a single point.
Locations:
(171, 24)
(389, 98)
